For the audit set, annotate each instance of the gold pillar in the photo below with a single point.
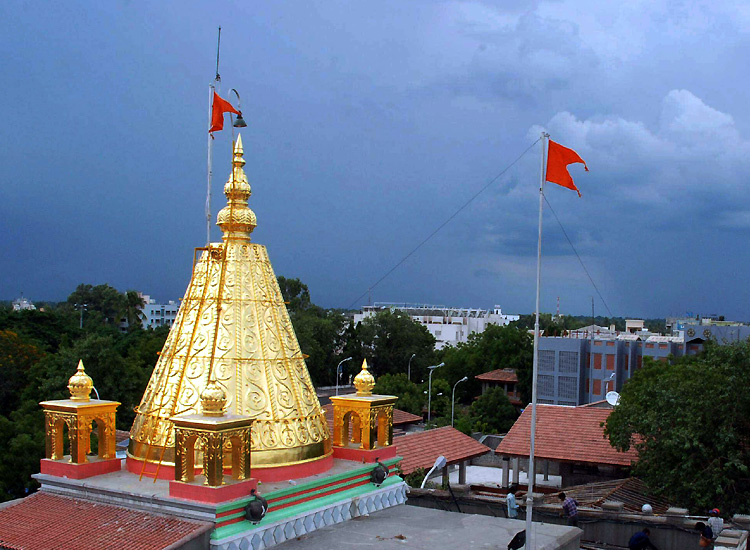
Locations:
(214, 432)
(79, 413)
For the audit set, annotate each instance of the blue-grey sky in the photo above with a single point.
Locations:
(369, 124)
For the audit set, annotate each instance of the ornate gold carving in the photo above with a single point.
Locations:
(80, 384)
(233, 328)
(213, 400)
(370, 419)
(79, 418)
(364, 381)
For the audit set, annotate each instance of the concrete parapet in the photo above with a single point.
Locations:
(612, 506)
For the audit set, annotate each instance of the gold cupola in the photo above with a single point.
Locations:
(80, 384)
(213, 400)
(364, 381)
(233, 334)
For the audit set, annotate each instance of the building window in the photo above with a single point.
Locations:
(625, 362)
(546, 361)
(567, 387)
(649, 345)
(639, 362)
(568, 361)
(663, 346)
(610, 362)
(597, 387)
(597, 360)
(597, 342)
(546, 384)
(611, 344)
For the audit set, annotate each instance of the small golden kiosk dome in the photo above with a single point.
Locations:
(80, 384)
(213, 399)
(364, 381)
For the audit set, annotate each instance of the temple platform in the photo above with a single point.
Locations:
(295, 507)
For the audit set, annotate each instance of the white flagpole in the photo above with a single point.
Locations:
(531, 477)
(210, 166)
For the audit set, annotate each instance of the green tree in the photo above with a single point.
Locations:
(493, 413)
(389, 339)
(496, 348)
(690, 423)
(102, 299)
(133, 312)
(16, 359)
(295, 294)
(410, 396)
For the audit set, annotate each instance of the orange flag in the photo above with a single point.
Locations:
(558, 158)
(220, 106)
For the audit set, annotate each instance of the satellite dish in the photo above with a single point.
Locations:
(613, 398)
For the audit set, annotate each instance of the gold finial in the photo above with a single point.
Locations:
(213, 399)
(364, 381)
(80, 384)
(236, 219)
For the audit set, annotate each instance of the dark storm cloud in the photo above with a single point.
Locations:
(369, 125)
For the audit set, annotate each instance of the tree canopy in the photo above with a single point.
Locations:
(690, 422)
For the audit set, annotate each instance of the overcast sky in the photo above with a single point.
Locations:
(370, 124)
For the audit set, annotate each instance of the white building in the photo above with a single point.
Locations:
(22, 303)
(448, 325)
(157, 315)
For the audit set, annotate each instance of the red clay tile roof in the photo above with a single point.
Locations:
(49, 522)
(565, 434)
(499, 375)
(420, 449)
(399, 417)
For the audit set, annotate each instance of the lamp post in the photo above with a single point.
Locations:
(81, 308)
(453, 397)
(429, 389)
(338, 368)
(413, 355)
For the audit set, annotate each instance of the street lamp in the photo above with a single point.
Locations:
(338, 373)
(429, 390)
(453, 397)
(82, 308)
(413, 355)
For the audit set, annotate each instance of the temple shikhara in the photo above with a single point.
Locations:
(229, 440)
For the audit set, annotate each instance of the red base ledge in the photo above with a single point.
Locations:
(362, 455)
(95, 467)
(212, 495)
(266, 475)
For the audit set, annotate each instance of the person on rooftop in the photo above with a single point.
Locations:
(570, 509)
(707, 535)
(715, 522)
(510, 502)
(641, 541)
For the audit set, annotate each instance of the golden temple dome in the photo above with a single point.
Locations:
(364, 381)
(213, 399)
(80, 384)
(233, 328)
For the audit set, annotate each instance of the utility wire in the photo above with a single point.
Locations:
(446, 222)
(577, 256)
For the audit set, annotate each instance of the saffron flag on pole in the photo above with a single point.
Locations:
(558, 159)
(220, 106)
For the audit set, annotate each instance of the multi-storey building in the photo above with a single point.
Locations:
(157, 315)
(583, 366)
(448, 325)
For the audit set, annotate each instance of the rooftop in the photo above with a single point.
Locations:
(420, 449)
(49, 522)
(419, 528)
(565, 434)
(632, 492)
(499, 375)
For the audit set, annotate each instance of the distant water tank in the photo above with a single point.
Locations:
(646, 509)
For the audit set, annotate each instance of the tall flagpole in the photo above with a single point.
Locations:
(211, 90)
(532, 473)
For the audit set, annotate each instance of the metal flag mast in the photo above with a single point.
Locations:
(532, 474)
(211, 90)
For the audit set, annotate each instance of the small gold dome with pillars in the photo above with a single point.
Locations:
(80, 384)
(364, 381)
(213, 399)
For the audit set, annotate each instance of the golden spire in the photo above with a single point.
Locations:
(364, 381)
(80, 384)
(233, 331)
(236, 219)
